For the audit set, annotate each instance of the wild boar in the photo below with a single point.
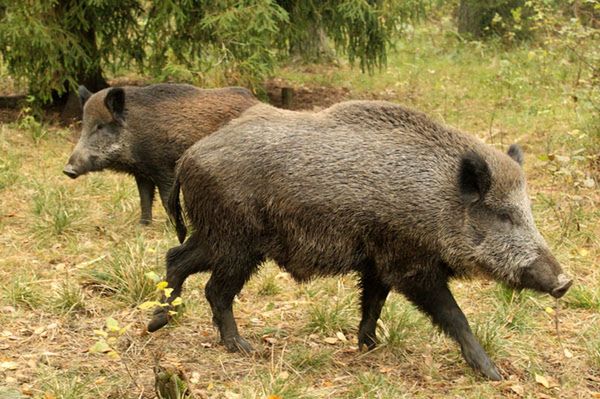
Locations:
(144, 130)
(367, 187)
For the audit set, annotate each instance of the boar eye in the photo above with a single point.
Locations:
(99, 126)
(506, 218)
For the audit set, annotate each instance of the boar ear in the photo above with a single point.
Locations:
(474, 177)
(84, 95)
(115, 102)
(515, 152)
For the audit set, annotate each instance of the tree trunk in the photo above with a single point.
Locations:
(90, 76)
(471, 15)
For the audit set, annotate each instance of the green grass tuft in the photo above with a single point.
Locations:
(69, 297)
(330, 315)
(305, 359)
(123, 274)
(582, 297)
(22, 290)
(268, 285)
(57, 213)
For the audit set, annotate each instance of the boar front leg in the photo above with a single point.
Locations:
(146, 191)
(435, 299)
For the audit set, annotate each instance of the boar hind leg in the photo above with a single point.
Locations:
(224, 284)
(164, 190)
(182, 261)
(436, 300)
(374, 294)
(146, 190)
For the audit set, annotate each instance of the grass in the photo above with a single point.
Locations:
(399, 325)
(69, 297)
(22, 290)
(331, 315)
(123, 273)
(72, 255)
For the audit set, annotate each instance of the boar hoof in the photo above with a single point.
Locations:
(237, 344)
(367, 343)
(159, 320)
(479, 360)
(492, 373)
(145, 222)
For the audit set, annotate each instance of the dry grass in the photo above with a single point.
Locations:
(71, 255)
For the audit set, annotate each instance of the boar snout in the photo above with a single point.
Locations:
(564, 283)
(70, 171)
(546, 275)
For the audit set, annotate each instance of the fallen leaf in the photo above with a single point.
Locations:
(540, 379)
(549, 310)
(112, 325)
(518, 389)
(177, 301)
(568, 354)
(284, 375)
(152, 276)
(100, 347)
(8, 365)
(341, 336)
(589, 183)
(330, 340)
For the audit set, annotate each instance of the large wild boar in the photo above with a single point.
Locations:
(144, 130)
(369, 187)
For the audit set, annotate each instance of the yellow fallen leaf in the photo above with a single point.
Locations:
(100, 347)
(112, 325)
(549, 310)
(177, 301)
(148, 305)
(330, 340)
(540, 379)
(152, 276)
(274, 397)
(583, 252)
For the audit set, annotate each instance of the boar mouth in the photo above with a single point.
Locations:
(564, 283)
(545, 275)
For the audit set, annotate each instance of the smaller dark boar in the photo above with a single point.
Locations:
(366, 187)
(144, 130)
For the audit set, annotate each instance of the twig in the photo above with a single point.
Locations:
(556, 310)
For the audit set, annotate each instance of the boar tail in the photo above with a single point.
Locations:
(174, 210)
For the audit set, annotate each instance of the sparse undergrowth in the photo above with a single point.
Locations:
(72, 256)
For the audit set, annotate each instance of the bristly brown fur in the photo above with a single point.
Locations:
(364, 186)
(149, 131)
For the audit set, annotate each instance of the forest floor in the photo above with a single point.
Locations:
(75, 262)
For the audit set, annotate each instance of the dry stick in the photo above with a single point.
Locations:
(138, 386)
(556, 309)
